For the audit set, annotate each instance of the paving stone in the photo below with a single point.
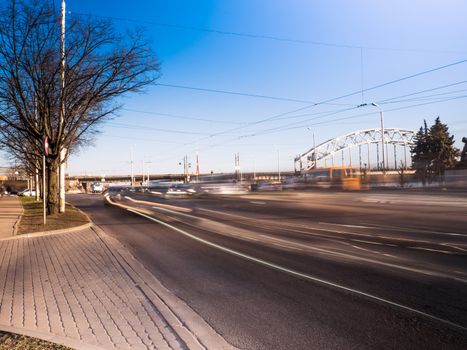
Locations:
(72, 285)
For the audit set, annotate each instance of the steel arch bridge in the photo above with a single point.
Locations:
(328, 149)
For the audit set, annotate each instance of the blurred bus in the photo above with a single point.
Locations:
(344, 178)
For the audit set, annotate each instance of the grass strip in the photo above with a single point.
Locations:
(20, 342)
(32, 219)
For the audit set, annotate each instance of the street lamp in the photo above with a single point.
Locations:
(382, 130)
(314, 147)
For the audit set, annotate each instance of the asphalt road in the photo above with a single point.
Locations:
(316, 270)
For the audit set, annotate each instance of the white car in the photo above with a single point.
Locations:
(27, 193)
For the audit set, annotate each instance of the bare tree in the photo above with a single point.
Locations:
(101, 65)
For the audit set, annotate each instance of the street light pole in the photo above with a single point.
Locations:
(314, 148)
(62, 151)
(382, 131)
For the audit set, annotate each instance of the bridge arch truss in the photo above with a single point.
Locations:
(327, 150)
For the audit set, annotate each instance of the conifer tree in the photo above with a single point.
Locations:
(433, 151)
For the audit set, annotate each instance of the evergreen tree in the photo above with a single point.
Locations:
(421, 154)
(433, 151)
(444, 154)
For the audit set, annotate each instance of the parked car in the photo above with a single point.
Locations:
(97, 187)
(27, 193)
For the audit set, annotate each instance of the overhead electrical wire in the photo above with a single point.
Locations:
(283, 128)
(181, 116)
(361, 91)
(291, 127)
(144, 127)
(425, 97)
(266, 37)
(423, 91)
(243, 94)
(273, 117)
(384, 101)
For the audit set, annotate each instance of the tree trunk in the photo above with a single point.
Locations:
(52, 195)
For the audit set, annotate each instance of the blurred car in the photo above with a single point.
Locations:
(223, 189)
(269, 186)
(27, 193)
(180, 190)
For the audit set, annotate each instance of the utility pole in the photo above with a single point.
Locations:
(186, 169)
(237, 165)
(62, 151)
(197, 166)
(44, 192)
(132, 180)
(278, 166)
(314, 150)
(147, 171)
(382, 133)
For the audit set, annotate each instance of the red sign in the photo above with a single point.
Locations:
(46, 146)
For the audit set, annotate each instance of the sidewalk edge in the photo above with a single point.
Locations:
(57, 339)
(20, 216)
(89, 224)
(190, 326)
(49, 233)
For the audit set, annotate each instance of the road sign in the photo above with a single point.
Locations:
(46, 146)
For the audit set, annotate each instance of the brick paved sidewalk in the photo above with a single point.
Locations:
(81, 290)
(10, 212)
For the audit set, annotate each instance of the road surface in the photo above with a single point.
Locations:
(315, 270)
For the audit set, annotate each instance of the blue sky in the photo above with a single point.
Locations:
(398, 38)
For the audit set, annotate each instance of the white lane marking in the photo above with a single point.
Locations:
(368, 242)
(302, 247)
(454, 246)
(300, 274)
(344, 225)
(161, 205)
(433, 250)
(353, 226)
(338, 231)
(258, 202)
(406, 229)
(176, 212)
(364, 249)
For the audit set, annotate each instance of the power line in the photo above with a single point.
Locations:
(289, 127)
(319, 115)
(144, 127)
(426, 97)
(284, 128)
(266, 37)
(143, 139)
(390, 100)
(241, 93)
(181, 116)
(364, 114)
(423, 91)
(343, 96)
(141, 127)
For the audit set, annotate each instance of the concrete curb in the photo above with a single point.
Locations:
(71, 343)
(15, 226)
(192, 328)
(48, 233)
